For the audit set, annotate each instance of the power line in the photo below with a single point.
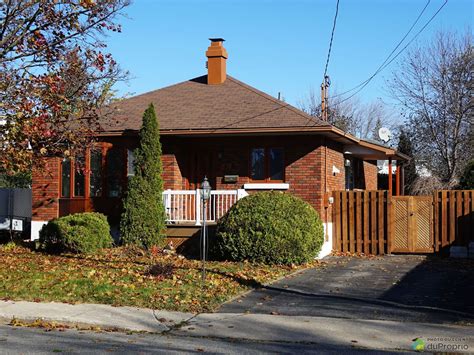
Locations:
(332, 37)
(385, 64)
(388, 57)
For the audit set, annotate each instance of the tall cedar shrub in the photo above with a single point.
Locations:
(269, 227)
(466, 182)
(143, 219)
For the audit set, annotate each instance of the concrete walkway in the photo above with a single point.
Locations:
(370, 334)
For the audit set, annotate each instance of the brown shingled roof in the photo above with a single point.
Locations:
(194, 105)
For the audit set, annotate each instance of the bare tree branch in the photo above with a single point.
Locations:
(434, 89)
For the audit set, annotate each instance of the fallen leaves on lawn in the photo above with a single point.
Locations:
(130, 277)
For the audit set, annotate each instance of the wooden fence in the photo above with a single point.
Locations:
(453, 218)
(360, 222)
(373, 222)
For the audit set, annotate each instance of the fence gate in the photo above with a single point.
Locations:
(412, 224)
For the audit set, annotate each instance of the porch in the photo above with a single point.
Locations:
(185, 207)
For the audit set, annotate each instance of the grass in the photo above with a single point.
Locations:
(128, 277)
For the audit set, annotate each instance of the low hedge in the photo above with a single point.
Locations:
(76, 233)
(269, 227)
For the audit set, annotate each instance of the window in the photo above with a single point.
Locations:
(86, 176)
(257, 164)
(276, 164)
(267, 164)
(79, 180)
(66, 178)
(130, 163)
(96, 174)
(115, 172)
(72, 177)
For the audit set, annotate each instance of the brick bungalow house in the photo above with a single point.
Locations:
(242, 139)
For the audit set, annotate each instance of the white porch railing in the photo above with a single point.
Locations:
(185, 206)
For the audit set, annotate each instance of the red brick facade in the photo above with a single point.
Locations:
(314, 166)
(370, 175)
(172, 178)
(304, 158)
(45, 191)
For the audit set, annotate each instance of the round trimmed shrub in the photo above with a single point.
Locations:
(269, 227)
(76, 233)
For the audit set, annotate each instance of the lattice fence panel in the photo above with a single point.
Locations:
(423, 211)
(400, 232)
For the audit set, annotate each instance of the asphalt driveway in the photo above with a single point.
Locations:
(395, 287)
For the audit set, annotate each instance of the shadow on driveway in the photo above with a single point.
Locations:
(395, 287)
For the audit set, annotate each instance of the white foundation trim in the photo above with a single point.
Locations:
(35, 228)
(326, 249)
(264, 186)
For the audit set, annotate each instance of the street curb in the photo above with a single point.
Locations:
(71, 324)
(95, 315)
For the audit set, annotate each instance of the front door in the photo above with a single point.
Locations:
(201, 164)
(412, 224)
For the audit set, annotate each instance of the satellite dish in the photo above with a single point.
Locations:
(384, 134)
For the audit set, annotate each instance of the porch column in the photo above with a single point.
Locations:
(402, 178)
(397, 179)
(390, 176)
(198, 206)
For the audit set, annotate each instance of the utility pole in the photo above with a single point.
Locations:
(324, 98)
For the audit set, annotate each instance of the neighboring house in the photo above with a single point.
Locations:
(242, 139)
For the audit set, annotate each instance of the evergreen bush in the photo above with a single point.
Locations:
(143, 219)
(77, 233)
(466, 182)
(269, 227)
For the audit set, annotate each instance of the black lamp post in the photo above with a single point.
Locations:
(205, 196)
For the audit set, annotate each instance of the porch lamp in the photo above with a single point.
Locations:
(205, 190)
(205, 196)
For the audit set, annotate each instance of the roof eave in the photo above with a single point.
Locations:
(327, 130)
(227, 131)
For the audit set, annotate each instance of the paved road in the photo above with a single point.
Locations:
(401, 288)
(38, 341)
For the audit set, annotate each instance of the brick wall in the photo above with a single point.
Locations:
(308, 167)
(45, 190)
(172, 178)
(331, 156)
(370, 175)
(335, 156)
(304, 172)
(304, 164)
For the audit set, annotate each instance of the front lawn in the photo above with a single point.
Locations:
(122, 277)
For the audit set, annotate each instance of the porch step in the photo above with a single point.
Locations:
(177, 231)
(185, 238)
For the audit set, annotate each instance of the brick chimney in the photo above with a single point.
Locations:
(216, 62)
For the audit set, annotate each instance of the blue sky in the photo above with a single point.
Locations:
(275, 46)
